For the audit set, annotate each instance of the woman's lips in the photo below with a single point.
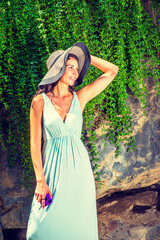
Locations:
(72, 78)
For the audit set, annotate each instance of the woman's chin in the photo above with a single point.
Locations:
(71, 83)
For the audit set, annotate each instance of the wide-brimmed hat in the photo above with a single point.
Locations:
(56, 63)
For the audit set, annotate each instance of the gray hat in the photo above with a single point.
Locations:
(56, 63)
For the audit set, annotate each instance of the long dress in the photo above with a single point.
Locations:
(72, 214)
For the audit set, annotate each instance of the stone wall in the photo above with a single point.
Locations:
(139, 168)
(128, 203)
(15, 200)
(130, 215)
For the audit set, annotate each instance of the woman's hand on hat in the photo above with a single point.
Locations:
(41, 191)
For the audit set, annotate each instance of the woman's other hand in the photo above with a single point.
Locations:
(41, 191)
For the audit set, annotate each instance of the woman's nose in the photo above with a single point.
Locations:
(75, 72)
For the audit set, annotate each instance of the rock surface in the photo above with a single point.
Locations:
(139, 168)
(129, 215)
(15, 200)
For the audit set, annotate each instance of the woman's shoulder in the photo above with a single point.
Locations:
(38, 102)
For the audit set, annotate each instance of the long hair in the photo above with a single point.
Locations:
(49, 87)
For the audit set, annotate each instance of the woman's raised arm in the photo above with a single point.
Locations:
(93, 89)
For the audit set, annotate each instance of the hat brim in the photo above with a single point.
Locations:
(57, 70)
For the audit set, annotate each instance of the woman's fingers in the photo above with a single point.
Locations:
(41, 192)
(39, 198)
(43, 202)
(36, 195)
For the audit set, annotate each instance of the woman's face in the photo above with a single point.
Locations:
(71, 73)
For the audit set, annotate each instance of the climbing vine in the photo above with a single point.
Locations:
(119, 31)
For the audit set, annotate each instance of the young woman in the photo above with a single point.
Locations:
(63, 168)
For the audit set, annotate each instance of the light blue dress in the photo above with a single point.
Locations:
(72, 214)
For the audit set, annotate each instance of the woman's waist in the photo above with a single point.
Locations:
(60, 137)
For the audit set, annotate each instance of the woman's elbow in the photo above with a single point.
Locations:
(35, 144)
(115, 71)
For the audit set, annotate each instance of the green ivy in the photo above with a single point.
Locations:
(119, 31)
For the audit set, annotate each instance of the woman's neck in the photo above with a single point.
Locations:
(61, 90)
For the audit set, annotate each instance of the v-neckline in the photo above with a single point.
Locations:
(61, 108)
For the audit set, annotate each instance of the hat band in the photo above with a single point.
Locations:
(54, 61)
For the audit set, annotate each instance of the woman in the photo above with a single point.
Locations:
(63, 169)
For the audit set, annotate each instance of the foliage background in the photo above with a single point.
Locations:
(119, 31)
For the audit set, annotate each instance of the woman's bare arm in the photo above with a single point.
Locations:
(93, 89)
(36, 112)
(36, 135)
